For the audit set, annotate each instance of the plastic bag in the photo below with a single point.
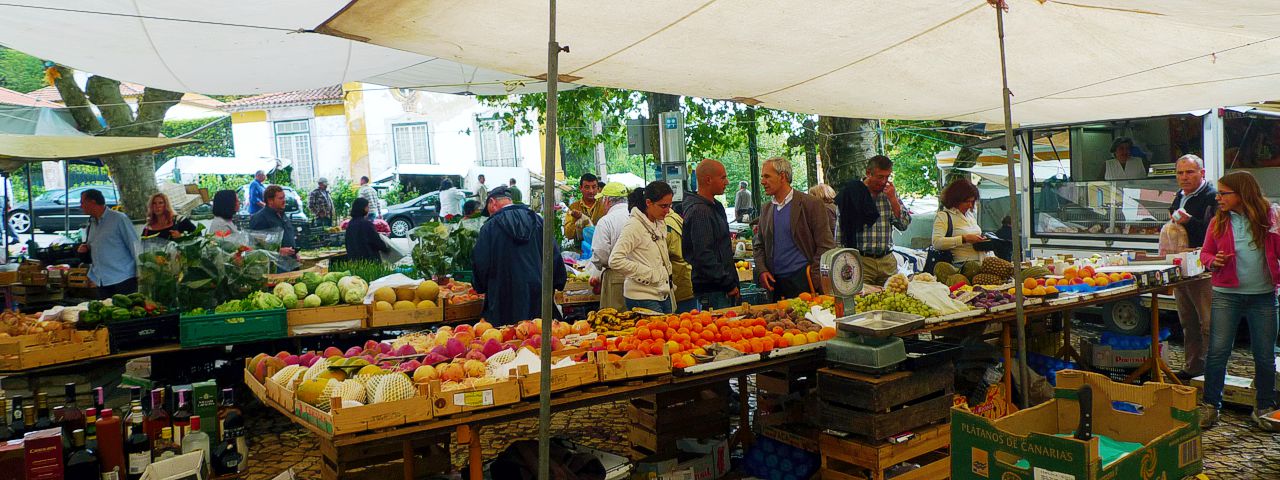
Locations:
(937, 296)
(158, 272)
(269, 241)
(393, 253)
(1173, 239)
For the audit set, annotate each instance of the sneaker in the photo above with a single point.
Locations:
(1208, 416)
(1186, 376)
(1262, 423)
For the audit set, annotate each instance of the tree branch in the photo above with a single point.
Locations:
(73, 97)
(155, 102)
(105, 94)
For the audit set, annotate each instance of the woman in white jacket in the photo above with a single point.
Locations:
(640, 255)
(956, 227)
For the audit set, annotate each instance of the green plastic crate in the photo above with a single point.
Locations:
(463, 276)
(229, 328)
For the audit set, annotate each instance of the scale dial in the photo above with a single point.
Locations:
(841, 272)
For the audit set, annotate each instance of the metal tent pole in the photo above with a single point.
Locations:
(66, 197)
(8, 200)
(548, 251)
(31, 209)
(1015, 215)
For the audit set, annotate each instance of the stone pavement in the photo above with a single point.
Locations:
(1234, 449)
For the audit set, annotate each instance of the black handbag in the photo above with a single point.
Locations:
(933, 255)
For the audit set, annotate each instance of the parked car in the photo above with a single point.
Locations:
(403, 217)
(50, 208)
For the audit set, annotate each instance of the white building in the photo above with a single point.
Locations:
(358, 129)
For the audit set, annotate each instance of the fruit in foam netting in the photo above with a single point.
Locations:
(425, 373)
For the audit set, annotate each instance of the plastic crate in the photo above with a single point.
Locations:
(229, 328)
(463, 276)
(141, 333)
(754, 295)
(922, 354)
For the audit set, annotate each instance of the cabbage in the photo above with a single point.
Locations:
(353, 297)
(300, 290)
(328, 293)
(311, 280)
(353, 289)
(311, 301)
(291, 301)
(267, 302)
(333, 277)
(282, 289)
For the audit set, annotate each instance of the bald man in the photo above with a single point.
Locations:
(706, 243)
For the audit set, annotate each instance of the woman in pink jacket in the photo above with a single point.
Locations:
(1241, 248)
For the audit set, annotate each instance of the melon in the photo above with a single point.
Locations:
(384, 294)
(381, 306)
(392, 388)
(404, 305)
(371, 370)
(318, 391)
(313, 372)
(405, 294)
(428, 290)
(351, 390)
(286, 375)
(425, 304)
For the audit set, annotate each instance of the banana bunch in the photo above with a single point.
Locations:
(611, 322)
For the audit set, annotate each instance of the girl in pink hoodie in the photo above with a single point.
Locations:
(1242, 249)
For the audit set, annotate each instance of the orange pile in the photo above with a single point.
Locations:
(688, 333)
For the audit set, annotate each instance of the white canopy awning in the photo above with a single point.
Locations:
(927, 59)
(227, 47)
(189, 166)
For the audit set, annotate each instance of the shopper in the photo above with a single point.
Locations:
(321, 204)
(641, 252)
(482, 192)
(1193, 207)
(827, 194)
(274, 218)
(742, 209)
(8, 227)
(450, 200)
(956, 228)
(507, 261)
(1242, 249)
(225, 206)
(363, 242)
(869, 212)
(515, 191)
(367, 192)
(163, 222)
(706, 244)
(586, 211)
(608, 229)
(681, 280)
(472, 217)
(793, 234)
(256, 190)
(112, 244)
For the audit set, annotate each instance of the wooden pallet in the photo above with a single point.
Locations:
(850, 459)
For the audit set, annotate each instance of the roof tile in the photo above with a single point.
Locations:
(316, 96)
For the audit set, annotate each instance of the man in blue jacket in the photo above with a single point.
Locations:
(507, 261)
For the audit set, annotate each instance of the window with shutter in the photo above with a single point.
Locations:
(412, 143)
(293, 142)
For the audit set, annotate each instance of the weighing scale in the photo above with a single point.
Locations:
(841, 270)
(867, 341)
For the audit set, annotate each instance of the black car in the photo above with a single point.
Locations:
(402, 217)
(50, 207)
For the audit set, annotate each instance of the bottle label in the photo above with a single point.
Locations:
(112, 475)
(138, 462)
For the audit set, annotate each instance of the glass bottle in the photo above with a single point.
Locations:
(91, 428)
(18, 425)
(99, 399)
(164, 447)
(226, 459)
(43, 419)
(28, 419)
(158, 417)
(182, 414)
(72, 418)
(111, 446)
(138, 447)
(198, 440)
(82, 462)
(233, 428)
(5, 431)
(227, 408)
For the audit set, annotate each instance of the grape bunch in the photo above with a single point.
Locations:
(897, 302)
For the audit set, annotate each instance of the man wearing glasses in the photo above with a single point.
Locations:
(1193, 207)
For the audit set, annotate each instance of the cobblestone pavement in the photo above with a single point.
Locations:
(1234, 449)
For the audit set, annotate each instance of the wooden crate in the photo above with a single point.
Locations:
(342, 421)
(658, 421)
(632, 368)
(463, 311)
(78, 278)
(384, 458)
(562, 299)
(563, 378)
(9, 277)
(472, 399)
(257, 388)
(869, 392)
(881, 425)
(849, 459)
(404, 317)
(319, 315)
(32, 272)
(283, 395)
(63, 346)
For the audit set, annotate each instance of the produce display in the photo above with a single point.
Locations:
(424, 296)
(442, 248)
(13, 324)
(612, 323)
(897, 283)
(456, 293)
(991, 271)
(118, 308)
(893, 301)
(742, 266)
(201, 271)
(985, 298)
(254, 302)
(316, 290)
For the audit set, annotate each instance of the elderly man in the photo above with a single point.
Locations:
(869, 211)
(706, 244)
(742, 203)
(112, 244)
(1193, 207)
(367, 192)
(584, 212)
(321, 204)
(256, 188)
(613, 198)
(792, 235)
(273, 217)
(507, 261)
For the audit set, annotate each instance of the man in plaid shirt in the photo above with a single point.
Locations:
(321, 204)
(869, 211)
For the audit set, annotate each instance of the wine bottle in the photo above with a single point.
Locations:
(195, 440)
(233, 427)
(138, 447)
(72, 417)
(28, 419)
(43, 419)
(164, 447)
(5, 431)
(111, 446)
(18, 425)
(226, 459)
(91, 429)
(182, 414)
(82, 462)
(158, 418)
(99, 399)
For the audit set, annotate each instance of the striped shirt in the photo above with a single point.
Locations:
(877, 240)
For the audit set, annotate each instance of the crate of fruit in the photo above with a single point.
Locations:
(448, 398)
(198, 328)
(57, 346)
(398, 401)
(340, 317)
(566, 373)
(405, 301)
(634, 364)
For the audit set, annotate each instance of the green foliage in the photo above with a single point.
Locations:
(20, 72)
(912, 144)
(342, 191)
(222, 182)
(577, 111)
(398, 193)
(215, 140)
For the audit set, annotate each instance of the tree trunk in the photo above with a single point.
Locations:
(135, 174)
(658, 103)
(753, 156)
(846, 144)
(810, 152)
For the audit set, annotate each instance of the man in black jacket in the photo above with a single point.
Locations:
(706, 244)
(1193, 207)
(870, 211)
(507, 263)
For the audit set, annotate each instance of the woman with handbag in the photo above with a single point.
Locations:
(956, 230)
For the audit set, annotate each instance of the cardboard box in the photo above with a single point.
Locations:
(1106, 356)
(12, 460)
(1235, 390)
(44, 454)
(696, 460)
(205, 400)
(1168, 428)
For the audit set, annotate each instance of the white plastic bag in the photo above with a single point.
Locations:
(394, 253)
(1173, 239)
(937, 296)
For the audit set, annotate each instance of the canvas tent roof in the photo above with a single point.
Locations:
(227, 47)
(936, 59)
(18, 149)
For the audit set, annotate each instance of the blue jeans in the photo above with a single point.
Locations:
(1259, 311)
(660, 306)
(714, 300)
(687, 305)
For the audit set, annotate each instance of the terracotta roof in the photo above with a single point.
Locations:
(10, 97)
(317, 96)
(130, 90)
